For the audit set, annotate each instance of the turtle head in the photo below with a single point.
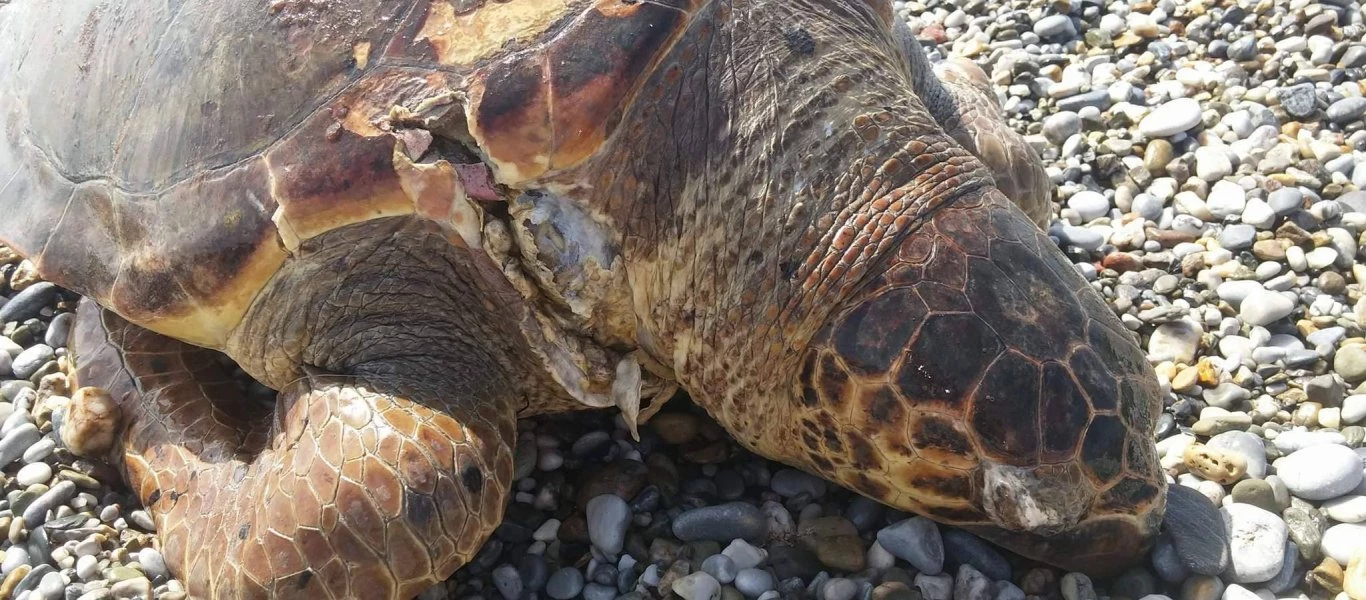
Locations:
(974, 377)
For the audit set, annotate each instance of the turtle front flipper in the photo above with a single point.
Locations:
(982, 129)
(353, 487)
(959, 95)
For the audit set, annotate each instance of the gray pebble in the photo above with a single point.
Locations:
(1298, 100)
(917, 541)
(58, 330)
(1257, 543)
(31, 359)
(1346, 110)
(721, 523)
(752, 582)
(1197, 531)
(1055, 27)
(935, 587)
(16, 441)
(154, 564)
(971, 584)
(961, 547)
(598, 591)
(721, 567)
(791, 482)
(27, 303)
(608, 516)
(838, 588)
(36, 513)
(1320, 472)
(564, 584)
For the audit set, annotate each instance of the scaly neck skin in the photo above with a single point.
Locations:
(786, 152)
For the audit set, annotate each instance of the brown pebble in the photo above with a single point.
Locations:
(625, 478)
(91, 423)
(895, 590)
(1327, 575)
(12, 580)
(675, 428)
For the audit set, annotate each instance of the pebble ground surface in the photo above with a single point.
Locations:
(1209, 156)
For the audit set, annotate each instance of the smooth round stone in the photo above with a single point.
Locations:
(608, 517)
(1238, 592)
(721, 523)
(753, 582)
(1350, 363)
(33, 473)
(1346, 509)
(721, 567)
(878, 558)
(1197, 531)
(917, 541)
(791, 482)
(971, 584)
(1227, 395)
(508, 582)
(1057, 26)
(1227, 199)
(31, 359)
(1261, 308)
(697, 586)
(28, 303)
(1247, 446)
(1346, 110)
(934, 587)
(1202, 587)
(1166, 563)
(564, 584)
(1343, 541)
(1171, 118)
(1320, 472)
(1077, 586)
(602, 591)
(744, 554)
(1256, 492)
(1058, 127)
(963, 548)
(1176, 341)
(1237, 237)
(1256, 542)
(1289, 442)
(1089, 205)
(1354, 578)
(14, 557)
(838, 588)
(154, 565)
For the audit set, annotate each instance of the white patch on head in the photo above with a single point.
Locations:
(1018, 499)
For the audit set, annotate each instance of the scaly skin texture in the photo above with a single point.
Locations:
(763, 172)
(838, 282)
(384, 465)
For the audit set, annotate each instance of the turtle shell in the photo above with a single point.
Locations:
(166, 158)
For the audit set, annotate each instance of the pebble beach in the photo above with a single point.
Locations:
(1209, 160)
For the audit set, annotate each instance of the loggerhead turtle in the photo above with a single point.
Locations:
(420, 219)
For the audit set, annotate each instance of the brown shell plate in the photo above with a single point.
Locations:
(165, 158)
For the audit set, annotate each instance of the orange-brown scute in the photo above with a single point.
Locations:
(552, 107)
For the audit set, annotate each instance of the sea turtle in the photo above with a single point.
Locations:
(419, 219)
